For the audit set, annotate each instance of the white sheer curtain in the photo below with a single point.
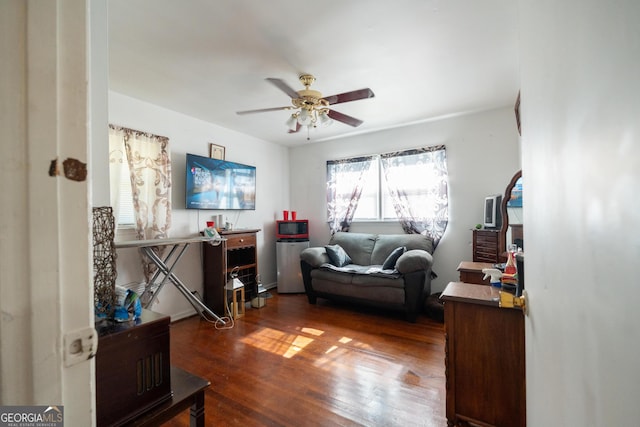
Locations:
(344, 187)
(417, 181)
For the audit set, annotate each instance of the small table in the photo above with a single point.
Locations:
(188, 391)
(166, 266)
(471, 272)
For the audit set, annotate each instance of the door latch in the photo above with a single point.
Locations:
(80, 345)
(508, 300)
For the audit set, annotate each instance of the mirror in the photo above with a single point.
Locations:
(511, 230)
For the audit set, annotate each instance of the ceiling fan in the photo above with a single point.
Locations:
(311, 108)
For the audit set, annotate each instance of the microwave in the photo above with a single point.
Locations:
(292, 230)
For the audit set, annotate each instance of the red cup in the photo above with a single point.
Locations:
(211, 224)
(285, 215)
(294, 214)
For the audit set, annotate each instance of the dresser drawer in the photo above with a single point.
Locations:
(487, 239)
(487, 247)
(486, 251)
(480, 257)
(241, 240)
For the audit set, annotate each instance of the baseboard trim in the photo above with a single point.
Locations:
(183, 315)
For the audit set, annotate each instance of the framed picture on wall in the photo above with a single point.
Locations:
(216, 151)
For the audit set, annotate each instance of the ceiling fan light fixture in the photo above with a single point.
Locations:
(305, 118)
(324, 119)
(292, 122)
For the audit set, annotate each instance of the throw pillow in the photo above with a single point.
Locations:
(337, 255)
(390, 262)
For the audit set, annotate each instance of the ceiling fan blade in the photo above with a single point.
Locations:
(262, 110)
(354, 95)
(298, 127)
(351, 121)
(280, 84)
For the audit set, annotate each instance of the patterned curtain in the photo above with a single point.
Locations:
(150, 170)
(423, 208)
(343, 194)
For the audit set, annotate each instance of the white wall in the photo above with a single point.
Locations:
(483, 153)
(189, 135)
(581, 160)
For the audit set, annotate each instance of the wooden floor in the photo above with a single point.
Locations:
(295, 364)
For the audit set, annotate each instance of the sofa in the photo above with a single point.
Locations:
(389, 271)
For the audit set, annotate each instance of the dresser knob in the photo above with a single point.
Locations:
(241, 240)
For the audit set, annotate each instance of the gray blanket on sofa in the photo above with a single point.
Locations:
(372, 270)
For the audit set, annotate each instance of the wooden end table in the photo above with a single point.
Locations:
(188, 391)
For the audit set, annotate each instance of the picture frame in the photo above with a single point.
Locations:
(216, 151)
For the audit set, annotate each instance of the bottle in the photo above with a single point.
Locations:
(496, 282)
(510, 266)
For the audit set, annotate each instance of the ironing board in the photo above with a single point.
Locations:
(166, 267)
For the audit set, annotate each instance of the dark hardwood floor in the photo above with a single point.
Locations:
(295, 364)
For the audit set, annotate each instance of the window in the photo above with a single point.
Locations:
(126, 215)
(409, 186)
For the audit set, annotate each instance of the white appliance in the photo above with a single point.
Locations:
(289, 274)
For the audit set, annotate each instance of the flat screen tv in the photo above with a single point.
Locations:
(219, 184)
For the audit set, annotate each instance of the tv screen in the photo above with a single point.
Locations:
(492, 214)
(219, 184)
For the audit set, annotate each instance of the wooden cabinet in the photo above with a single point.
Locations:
(485, 246)
(484, 359)
(133, 367)
(238, 249)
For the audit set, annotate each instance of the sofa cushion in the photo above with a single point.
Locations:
(390, 262)
(376, 281)
(337, 255)
(359, 246)
(386, 243)
(331, 276)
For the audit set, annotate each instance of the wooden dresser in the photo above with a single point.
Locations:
(239, 249)
(484, 359)
(485, 246)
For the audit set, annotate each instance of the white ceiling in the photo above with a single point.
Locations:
(423, 59)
